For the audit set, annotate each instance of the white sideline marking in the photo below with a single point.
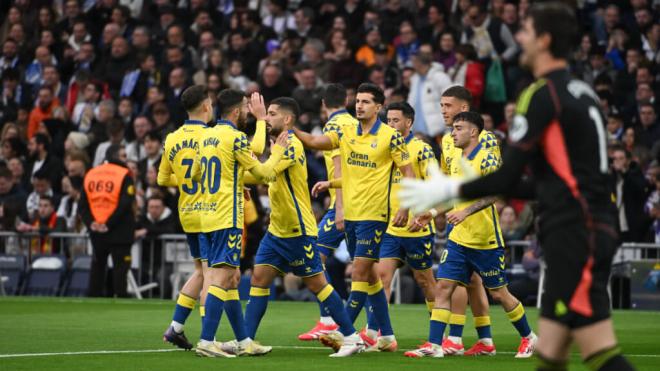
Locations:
(101, 352)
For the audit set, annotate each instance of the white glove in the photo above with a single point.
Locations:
(421, 195)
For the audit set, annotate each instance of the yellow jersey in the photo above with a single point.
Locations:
(367, 166)
(422, 158)
(480, 230)
(176, 169)
(487, 139)
(341, 118)
(224, 155)
(291, 208)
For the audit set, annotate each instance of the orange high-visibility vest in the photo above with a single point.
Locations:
(103, 188)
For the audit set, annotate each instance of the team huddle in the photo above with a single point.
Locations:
(366, 161)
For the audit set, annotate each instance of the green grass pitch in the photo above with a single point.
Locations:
(34, 325)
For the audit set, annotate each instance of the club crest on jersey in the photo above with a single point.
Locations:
(374, 144)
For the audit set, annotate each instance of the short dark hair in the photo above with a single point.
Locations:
(5, 172)
(228, 99)
(115, 127)
(112, 153)
(334, 96)
(288, 104)
(156, 197)
(405, 108)
(192, 97)
(42, 139)
(76, 182)
(49, 199)
(460, 93)
(153, 134)
(472, 117)
(557, 20)
(41, 174)
(374, 90)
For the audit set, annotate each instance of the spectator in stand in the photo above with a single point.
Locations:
(40, 159)
(437, 25)
(605, 24)
(489, 36)
(162, 119)
(43, 110)
(15, 165)
(650, 128)
(393, 16)
(12, 198)
(34, 72)
(652, 208)
(308, 95)
(115, 132)
(113, 69)
(157, 220)
(272, 85)
(526, 288)
(12, 148)
(408, 44)
(469, 72)
(312, 53)
(135, 149)
(76, 163)
(41, 185)
(426, 87)
(68, 207)
(44, 221)
(305, 26)
(279, 19)
(153, 145)
(446, 54)
(630, 189)
(366, 53)
(86, 109)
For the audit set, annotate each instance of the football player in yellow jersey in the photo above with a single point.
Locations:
(290, 242)
(225, 154)
(454, 100)
(474, 245)
(331, 227)
(369, 154)
(180, 151)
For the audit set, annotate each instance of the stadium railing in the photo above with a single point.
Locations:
(163, 264)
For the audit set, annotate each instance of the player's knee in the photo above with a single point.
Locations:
(444, 289)
(498, 295)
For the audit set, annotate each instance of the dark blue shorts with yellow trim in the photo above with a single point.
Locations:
(223, 246)
(329, 237)
(363, 238)
(416, 251)
(197, 250)
(458, 262)
(298, 255)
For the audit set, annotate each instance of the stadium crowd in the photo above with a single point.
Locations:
(81, 75)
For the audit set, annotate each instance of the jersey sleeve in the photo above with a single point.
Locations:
(426, 159)
(444, 162)
(334, 132)
(165, 173)
(288, 159)
(332, 127)
(262, 172)
(399, 150)
(490, 142)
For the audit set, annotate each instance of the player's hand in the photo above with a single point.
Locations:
(457, 216)
(283, 139)
(401, 218)
(421, 195)
(339, 219)
(246, 194)
(420, 221)
(320, 187)
(257, 106)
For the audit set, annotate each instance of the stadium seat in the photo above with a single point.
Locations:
(45, 276)
(78, 282)
(12, 267)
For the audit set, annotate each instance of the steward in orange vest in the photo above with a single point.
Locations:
(106, 208)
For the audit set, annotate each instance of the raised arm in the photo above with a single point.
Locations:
(263, 172)
(323, 142)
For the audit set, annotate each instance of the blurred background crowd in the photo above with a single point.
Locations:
(80, 75)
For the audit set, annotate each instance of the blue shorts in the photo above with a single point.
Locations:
(458, 262)
(329, 237)
(363, 238)
(223, 247)
(196, 249)
(416, 251)
(296, 254)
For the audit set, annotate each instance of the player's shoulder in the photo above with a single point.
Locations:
(420, 148)
(488, 139)
(447, 141)
(536, 91)
(346, 119)
(487, 161)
